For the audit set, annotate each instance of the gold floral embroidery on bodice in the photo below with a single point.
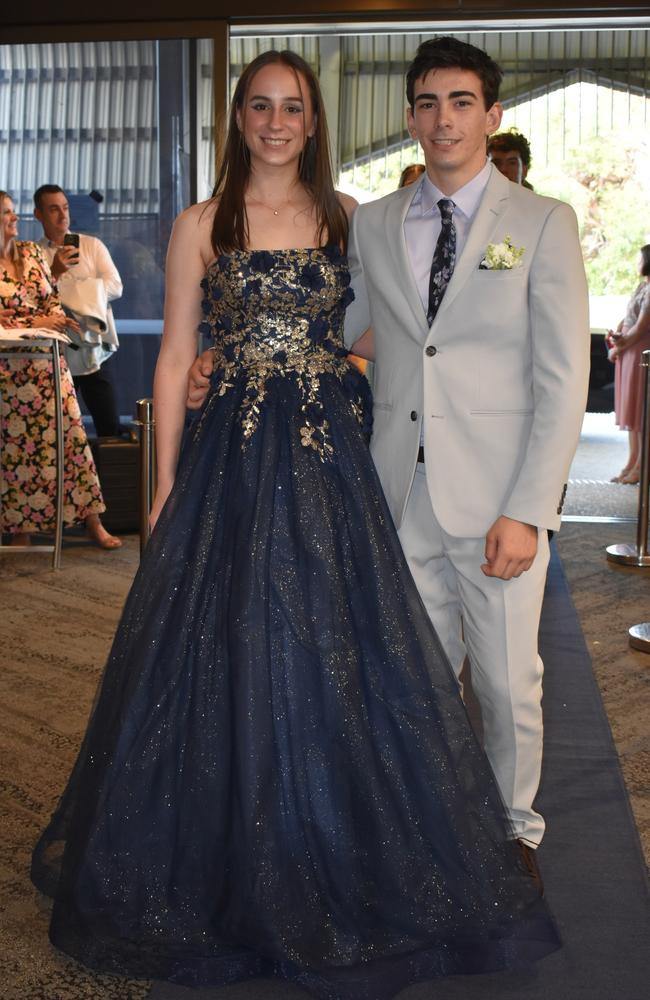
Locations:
(279, 314)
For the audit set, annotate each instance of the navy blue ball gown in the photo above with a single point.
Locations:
(279, 777)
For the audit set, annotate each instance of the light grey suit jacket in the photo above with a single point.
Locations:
(499, 381)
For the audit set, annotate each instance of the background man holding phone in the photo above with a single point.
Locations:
(88, 281)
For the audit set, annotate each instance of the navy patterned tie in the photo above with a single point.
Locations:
(444, 258)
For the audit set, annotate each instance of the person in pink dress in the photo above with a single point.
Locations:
(632, 338)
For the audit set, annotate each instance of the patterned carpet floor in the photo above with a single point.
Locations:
(55, 634)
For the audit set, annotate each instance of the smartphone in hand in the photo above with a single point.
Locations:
(72, 240)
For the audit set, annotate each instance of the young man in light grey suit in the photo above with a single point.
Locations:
(478, 405)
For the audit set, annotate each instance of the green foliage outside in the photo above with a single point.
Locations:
(590, 148)
(605, 179)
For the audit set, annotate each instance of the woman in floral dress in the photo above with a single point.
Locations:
(28, 298)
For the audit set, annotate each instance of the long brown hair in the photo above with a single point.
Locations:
(230, 227)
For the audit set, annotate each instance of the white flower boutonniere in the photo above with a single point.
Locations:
(502, 256)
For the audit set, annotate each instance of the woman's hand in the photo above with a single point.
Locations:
(620, 347)
(611, 341)
(53, 321)
(57, 321)
(71, 324)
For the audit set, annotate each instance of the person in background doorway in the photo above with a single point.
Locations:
(510, 153)
(411, 174)
(632, 337)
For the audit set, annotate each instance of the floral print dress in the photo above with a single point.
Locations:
(27, 422)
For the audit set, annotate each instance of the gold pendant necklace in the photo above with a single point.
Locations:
(276, 211)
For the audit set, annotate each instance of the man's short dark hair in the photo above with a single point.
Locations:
(46, 189)
(511, 141)
(446, 52)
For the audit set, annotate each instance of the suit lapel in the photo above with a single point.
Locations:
(492, 206)
(396, 213)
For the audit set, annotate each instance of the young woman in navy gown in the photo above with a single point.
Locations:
(279, 777)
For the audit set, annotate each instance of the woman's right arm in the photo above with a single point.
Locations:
(52, 321)
(184, 272)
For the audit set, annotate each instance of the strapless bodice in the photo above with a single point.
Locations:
(279, 315)
(261, 303)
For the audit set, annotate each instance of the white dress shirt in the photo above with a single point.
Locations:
(95, 264)
(422, 223)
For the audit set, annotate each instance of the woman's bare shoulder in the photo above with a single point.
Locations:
(200, 215)
(193, 230)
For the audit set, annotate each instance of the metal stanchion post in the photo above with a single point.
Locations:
(637, 555)
(145, 422)
(640, 637)
(60, 456)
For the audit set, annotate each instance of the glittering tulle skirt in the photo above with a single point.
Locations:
(279, 777)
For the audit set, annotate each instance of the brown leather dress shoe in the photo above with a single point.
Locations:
(529, 862)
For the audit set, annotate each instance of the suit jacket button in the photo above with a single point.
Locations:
(559, 510)
(430, 350)
(414, 414)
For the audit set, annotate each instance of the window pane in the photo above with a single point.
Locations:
(110, 123)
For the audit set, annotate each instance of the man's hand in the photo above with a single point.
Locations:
(198, 381)
(510, 548)
(64, 259)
